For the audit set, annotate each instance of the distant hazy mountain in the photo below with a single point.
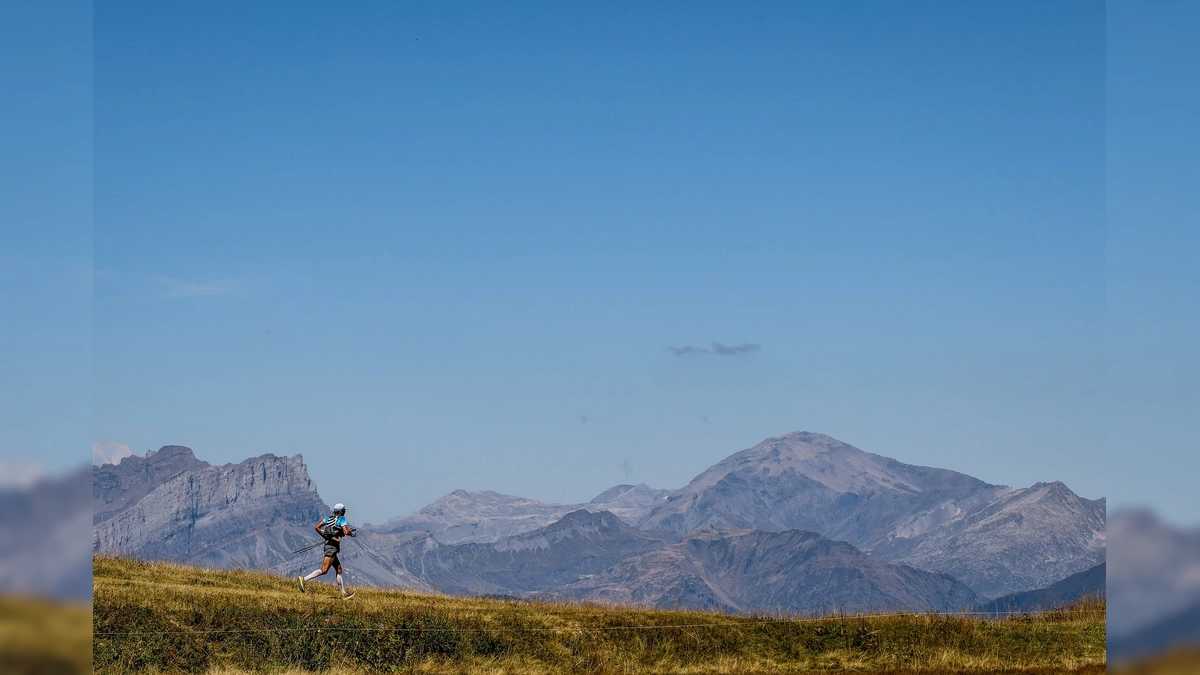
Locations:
(1153, 571)
(813, 482)
(596, 556)
(481, 517)
(50, 556)
(171, 506)
(580, 543)
(993, 538)
(1023, 539)
(1058, 594)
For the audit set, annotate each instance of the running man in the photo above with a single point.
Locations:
(332, 529)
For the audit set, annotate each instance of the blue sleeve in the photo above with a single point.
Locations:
(341, 521)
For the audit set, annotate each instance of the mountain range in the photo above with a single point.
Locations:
(799, 523)
(1154, 574)
(50, 557)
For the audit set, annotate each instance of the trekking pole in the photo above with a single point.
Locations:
(307, 548)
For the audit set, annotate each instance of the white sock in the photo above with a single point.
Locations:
(340, 586)
(312, 576)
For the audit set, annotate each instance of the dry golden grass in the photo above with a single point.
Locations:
(40, 636)
(159, 618)
(1182, 661)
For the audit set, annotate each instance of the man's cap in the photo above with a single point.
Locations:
(339, 507)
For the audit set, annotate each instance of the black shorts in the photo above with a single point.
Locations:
(331, 551)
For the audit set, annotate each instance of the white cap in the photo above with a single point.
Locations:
(339, 507)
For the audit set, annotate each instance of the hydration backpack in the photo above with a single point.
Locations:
(330, 528)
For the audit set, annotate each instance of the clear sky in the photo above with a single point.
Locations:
(1153, 275)
(446, 245)
(45, 236)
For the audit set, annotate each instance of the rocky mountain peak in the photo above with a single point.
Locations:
(614, 492)
(816, 457)
(582, 518)
(579, 529)
(168, 451)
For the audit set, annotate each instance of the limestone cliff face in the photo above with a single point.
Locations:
(198, 511)
(172, 506)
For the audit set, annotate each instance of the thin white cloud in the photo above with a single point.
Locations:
(177, 288)
(109, 452)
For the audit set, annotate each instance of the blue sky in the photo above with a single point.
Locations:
(46, 227)
(1153, 282)
(438, 246)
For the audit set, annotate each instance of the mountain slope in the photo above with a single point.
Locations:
(1025, 539)
(756, 571)
(580, 543)
(1058, 594)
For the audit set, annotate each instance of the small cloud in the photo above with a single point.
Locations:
(717, 348)
(109, 452)
(17, 474)
(176, 288)
(744, 348)
(627, 468)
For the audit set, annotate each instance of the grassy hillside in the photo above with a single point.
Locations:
(41, 636)
(150, 617)
(1180, 661)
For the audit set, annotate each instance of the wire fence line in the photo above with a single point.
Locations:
(736, 624)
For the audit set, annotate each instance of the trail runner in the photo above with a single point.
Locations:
(332, 529)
